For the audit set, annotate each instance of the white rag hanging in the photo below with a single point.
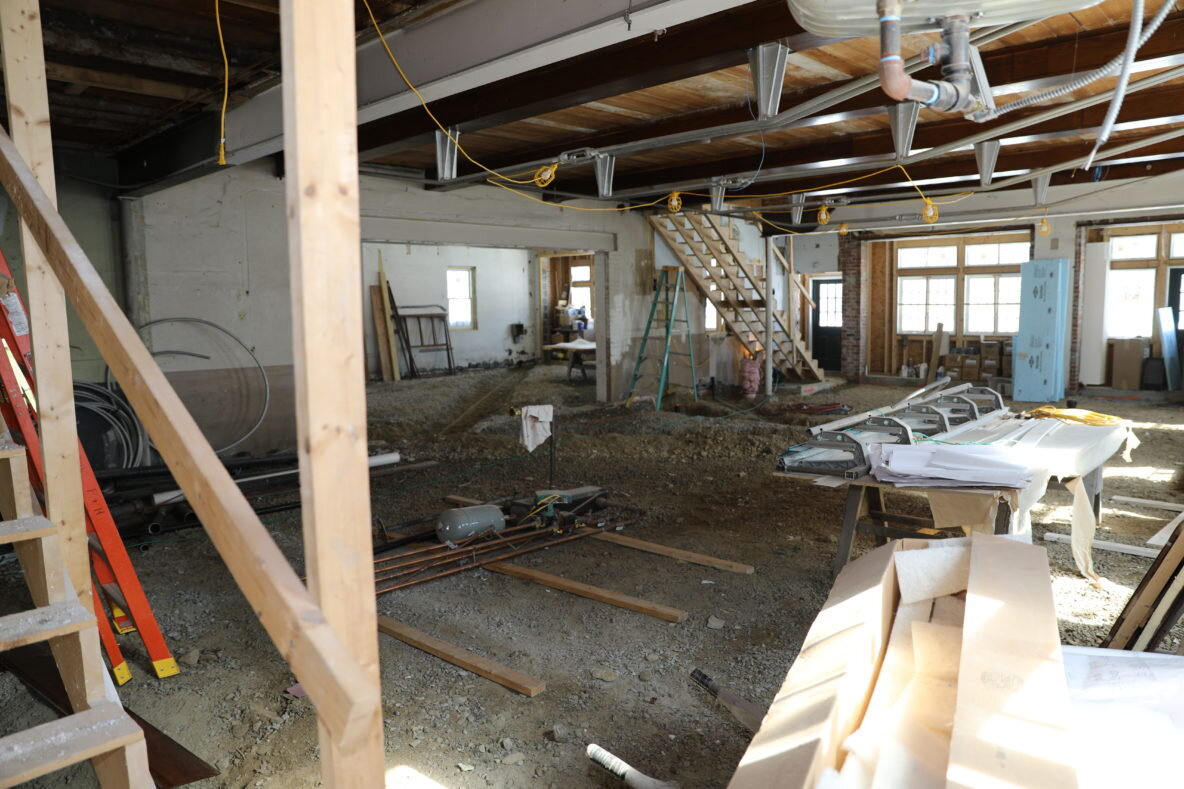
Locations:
(536, 425)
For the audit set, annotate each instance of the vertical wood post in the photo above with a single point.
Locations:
(28, 113)
(324, 240)
(770, 253)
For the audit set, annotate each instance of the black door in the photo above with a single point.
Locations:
(1176, 301)
(826, 323)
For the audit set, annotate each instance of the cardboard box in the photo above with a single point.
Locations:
(1126, 368)
(1006, 366)
(1011, 691)
(991, 350)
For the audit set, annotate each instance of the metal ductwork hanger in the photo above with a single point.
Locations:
(986, 154)
(606, 166)
(447, 153)
(902, 117)
(767, 64)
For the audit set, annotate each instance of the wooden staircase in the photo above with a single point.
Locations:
(99, 730)
(708, 248)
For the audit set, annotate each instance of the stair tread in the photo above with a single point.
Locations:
(31, 527)
(43, 623)
(75, 738)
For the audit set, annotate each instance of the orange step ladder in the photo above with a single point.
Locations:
(115, 576)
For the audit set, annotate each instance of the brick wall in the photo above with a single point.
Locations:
(853, 267)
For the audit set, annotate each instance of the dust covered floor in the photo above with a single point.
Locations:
(614, 677)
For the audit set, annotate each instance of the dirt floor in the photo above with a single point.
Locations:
(614, 677)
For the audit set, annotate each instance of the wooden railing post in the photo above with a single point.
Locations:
(324, 245)
(28, 117)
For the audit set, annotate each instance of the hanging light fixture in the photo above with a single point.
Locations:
(843, 229)
(1044, 228)
(824, 215)
(930, 213)
(674, 204)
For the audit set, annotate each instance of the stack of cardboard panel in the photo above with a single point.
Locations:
(932, 664)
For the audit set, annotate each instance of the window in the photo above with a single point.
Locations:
(580, 293)
(992, 304)
(1006, 254)
(1177, 245)
(1134, 247)
(710, 315)
(927, 257)
(924, 302)
(462, 298)
(1130, 302)
(830, 304)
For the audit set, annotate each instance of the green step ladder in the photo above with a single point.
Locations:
(668, 295)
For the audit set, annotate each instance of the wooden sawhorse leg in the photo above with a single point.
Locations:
(851, 510)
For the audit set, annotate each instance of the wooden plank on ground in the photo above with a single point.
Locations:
(492, 670)
(676, 553)
(1162, 505)
(1160, 538)
(656, 610)
(462, 501)
(324, 249)
(384, 348)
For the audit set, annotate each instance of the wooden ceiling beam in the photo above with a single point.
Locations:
(1149, 106)
(699, 47)
(125, 83)
(1021, 64)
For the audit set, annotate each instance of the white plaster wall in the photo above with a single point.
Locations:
(216, 248)
(503, 285)
(90, 213)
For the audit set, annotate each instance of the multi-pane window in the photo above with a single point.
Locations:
(924, 302)
(992, 304)
(1006, 254)
(461, 298)
(969, 284)
(1177, 245)
(1141, 247)
(1130, 302)
(580, 294)
(830, 304)
(927, 257)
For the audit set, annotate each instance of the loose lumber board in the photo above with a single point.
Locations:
(676, 553)
(1160, 538)
(507, 677)
(935, 354)
(828, 687)
(342, 692)
(1139, 606)
(384, 347)
(1106, 545)
(656, 610)
(388, 320)
(1162, 505)
(1012, 726)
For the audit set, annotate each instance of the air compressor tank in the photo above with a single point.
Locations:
(463, 522)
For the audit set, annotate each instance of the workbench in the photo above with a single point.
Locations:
(1073, 454)
(576, 349)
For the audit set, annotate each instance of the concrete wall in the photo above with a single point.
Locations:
(505, 288)
(91, 213)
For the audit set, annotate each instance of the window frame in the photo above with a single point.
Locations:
(471, 271)
(960, 272)
(996, 277)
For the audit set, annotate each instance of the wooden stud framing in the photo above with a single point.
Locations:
(676, 553)
(324, 243)
(28, 112)
(656, 610)
(345, 696)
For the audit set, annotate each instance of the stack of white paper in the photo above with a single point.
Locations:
(939, 465)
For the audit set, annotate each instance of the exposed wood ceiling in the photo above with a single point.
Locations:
(123, 70)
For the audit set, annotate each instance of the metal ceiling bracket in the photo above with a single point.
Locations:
(718, 191)
(986, 154)
(447, 154)
(767, 64)
(606, 165)
(1040, 188)
(902, 118)
(798, 207)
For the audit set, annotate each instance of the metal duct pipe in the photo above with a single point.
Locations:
(952, 93)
